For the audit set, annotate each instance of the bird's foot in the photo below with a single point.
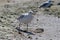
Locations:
(18, 28)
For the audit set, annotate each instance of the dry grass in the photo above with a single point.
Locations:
(10, 12)
(54, 10)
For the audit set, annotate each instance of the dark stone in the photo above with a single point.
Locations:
(58, 4)
(5, 18)
(2, 38)
(58, 16)
(6, 6)
(19, 32)
(12, 22)
(37, 19)
(15, 13)
(30, 37)
(39, 30)
(8, 1)
(36, 38)
(1, 16)
(9, 39)
(50, 39)
(11, 14)
(2, 26)
(0, 21)
(8, 29)
(46, 10)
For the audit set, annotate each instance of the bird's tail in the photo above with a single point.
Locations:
(40, 6)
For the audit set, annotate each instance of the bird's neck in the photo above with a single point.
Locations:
(49, 0)
(30, 13)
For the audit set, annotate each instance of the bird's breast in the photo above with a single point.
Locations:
(26, 19)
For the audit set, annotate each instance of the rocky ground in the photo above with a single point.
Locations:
(48, 20)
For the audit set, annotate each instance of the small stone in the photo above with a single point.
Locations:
(1, 16)
(37, 19)
(15, 13)
(9, 39)
(39, 30)
(5, 18)
(50, 39)
(12, 22)
(11, 14)
(36, 38)
(6, 6)
(2, 38)
(8, 1)
(19, 32)
(15, 31)
(46, 9)
(0, 21)
(58, 16)
(30, 37)
(8, 29)
(13, 26)
(2, 26)
(58, 4)
(40, 36)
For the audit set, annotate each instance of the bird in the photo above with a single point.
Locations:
(26, 18)
(46, 4)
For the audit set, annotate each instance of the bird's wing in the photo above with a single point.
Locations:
(20, 17)
(44, 4)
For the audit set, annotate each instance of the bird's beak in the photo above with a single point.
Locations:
(35, 12)
(52, 1)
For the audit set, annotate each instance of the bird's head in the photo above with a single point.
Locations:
(33, 12)
(50, 1)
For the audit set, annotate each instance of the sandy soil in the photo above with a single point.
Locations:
(8, 18)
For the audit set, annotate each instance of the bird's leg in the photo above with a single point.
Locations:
(19, 25)
(27, 27)
(18, 28)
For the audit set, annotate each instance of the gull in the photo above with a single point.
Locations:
(46, 4)
(26, 18)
